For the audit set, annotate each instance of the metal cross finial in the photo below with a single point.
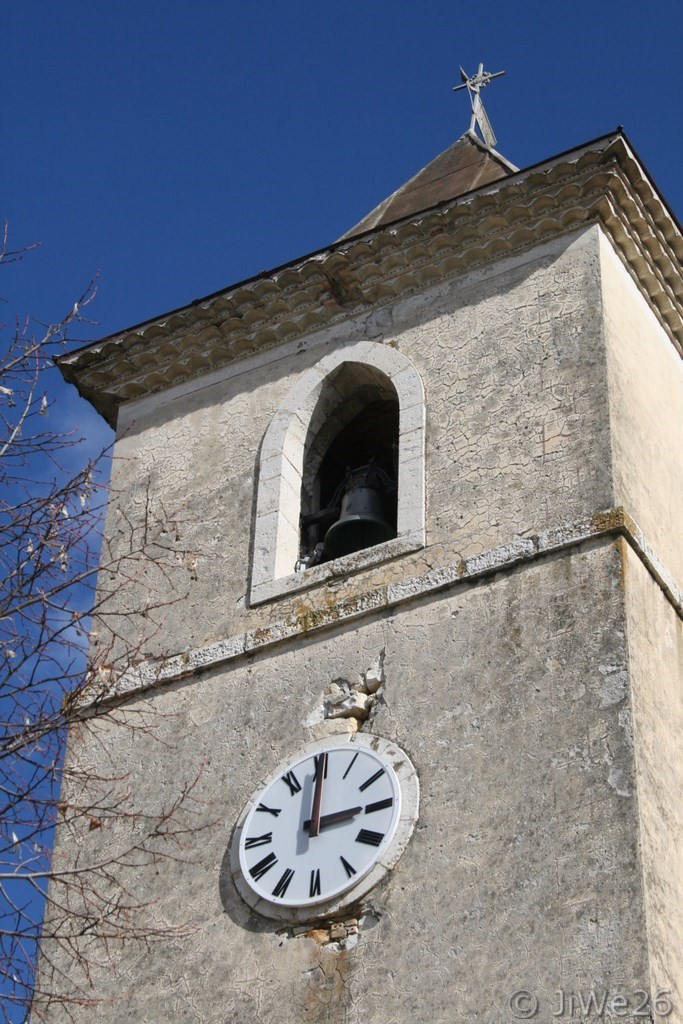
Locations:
(474, 84)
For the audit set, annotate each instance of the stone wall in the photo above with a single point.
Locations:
(655, 642)
(646, 412)
(512, 362)
(512, 646)
(512, 699)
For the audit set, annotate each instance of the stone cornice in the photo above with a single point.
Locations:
(102, 689)
(602, 182)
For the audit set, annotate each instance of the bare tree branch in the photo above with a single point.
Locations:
(50, 613)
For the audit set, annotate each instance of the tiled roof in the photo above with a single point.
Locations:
(601, 182)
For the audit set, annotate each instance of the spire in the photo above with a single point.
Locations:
(465, 165)
(474, 84)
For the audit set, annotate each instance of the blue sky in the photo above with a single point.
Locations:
(177, 147)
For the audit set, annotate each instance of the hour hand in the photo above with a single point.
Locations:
(332, 819)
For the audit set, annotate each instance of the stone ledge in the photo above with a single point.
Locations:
(317, 574)
(523, 550)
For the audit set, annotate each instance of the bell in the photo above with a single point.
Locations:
(362, 522)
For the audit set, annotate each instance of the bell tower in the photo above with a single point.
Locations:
(413, 501)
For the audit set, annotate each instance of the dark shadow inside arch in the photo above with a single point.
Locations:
(349, 495)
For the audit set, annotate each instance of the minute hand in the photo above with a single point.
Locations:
(320, 773)
(332, 819)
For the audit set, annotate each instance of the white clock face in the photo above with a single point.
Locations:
(320, 825)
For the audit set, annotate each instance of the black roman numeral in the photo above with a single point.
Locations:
(314, 888)
(293, 783)
(350, 871)
(258, 840)
(320, 759)
(369, 838)
(263, 865)
(379, 805)
(350, 765)
(373, 778)
(269, 810)
(281, 887)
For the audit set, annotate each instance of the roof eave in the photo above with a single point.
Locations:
(331, 283)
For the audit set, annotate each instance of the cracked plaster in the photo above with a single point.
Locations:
(523, 842)
(488, 478)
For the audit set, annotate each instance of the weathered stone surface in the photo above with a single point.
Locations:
(526, 852)
(646, 411)
(655, 643)
(501, 352)
(351, 705)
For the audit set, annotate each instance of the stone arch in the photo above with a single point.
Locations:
(281, 465)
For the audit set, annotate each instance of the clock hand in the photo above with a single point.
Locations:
(332, 819)
(321, 771)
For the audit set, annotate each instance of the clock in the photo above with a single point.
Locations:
(325, 827)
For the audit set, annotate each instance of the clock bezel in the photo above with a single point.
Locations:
(408, 783)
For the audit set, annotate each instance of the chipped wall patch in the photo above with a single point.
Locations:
(345, 706)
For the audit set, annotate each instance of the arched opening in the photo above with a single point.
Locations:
(349, 492)
(341, 412)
